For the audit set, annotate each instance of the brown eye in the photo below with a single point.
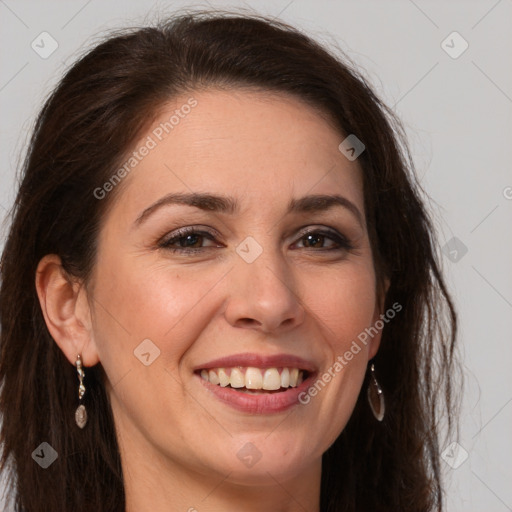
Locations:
(314, 240)
(187, 240)
(324, 240)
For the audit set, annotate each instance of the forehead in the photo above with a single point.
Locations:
(262, 147)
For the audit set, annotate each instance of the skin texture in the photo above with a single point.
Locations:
(179, 443)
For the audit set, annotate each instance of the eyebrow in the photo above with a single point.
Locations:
(229, 205)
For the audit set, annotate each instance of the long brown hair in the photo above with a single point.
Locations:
(82, 134)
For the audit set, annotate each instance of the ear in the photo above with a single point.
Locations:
(379, 309)
(66, 310)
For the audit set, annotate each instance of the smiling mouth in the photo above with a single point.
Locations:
(252, 380)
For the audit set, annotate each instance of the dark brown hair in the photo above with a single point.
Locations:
(83, 133)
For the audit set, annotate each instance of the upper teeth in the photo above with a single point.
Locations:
(254, 378)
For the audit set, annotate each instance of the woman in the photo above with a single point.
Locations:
(220, 290)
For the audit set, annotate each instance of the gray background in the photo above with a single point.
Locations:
(457, 112)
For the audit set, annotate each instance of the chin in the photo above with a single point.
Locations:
(262, 462)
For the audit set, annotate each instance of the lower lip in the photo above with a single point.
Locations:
(264, 403)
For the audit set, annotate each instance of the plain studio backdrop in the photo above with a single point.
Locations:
(444, 67)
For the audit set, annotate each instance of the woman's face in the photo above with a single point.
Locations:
(273, 277)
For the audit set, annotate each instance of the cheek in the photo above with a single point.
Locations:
(136, 302)
(344, 303)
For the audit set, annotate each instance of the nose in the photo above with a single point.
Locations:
(262, 295)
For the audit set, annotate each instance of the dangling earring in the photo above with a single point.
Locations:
(80, 413)
(376, 396)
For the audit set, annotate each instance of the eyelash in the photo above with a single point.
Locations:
(342, 242)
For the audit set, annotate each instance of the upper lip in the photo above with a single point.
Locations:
(259, 361)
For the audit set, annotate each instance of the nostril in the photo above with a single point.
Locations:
(249, 322)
